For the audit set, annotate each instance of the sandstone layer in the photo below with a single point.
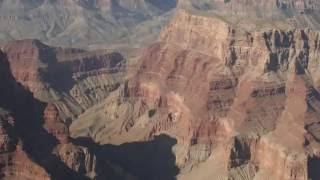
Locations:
(34, 136)
(73, 79)
(241, 104)
(214, 98)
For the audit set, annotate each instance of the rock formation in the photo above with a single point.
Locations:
(15, 163)
(54, 125)
(85, 23)
(260, 15)
(135, 24)
(29, 148)
(76, 158)
(243, 6)
(240, 99)
(241, 104)
(73, 79)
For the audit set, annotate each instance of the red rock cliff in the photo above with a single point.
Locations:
(213, 86)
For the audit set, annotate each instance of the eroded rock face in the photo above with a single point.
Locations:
(259, 15)
(7, 139)
(34, 140)
(14, 162)
(85, 23)
(17, 165)
(54, 125)
(75, 157)
(74, 79)
(27, 58)
(243, 6)
(240, 104)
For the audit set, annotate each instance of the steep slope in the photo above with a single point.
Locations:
(34, 137)
(15, 163)
(241, 104)
(73, 79)
(256, 14)
(234, 85)
(83, 23)
(21, 157)
(123, 24)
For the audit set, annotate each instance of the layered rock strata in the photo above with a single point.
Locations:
(34, 140)
(241, 104)
(73, 79)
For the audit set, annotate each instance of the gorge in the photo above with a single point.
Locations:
(228, 90)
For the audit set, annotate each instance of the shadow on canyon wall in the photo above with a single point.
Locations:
(313, 168)
(165, 5)
(151, 160)
(28, 114)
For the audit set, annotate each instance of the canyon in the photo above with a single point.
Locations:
(86, 24)
(241, 105)
(127, 25)
(228, 90)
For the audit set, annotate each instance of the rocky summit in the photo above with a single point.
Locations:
(204, 90)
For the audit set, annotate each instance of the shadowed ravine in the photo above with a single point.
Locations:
(28, 112)
(151, 160)
(313, 168)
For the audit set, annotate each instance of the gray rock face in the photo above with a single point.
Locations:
(261, 13)
(81, 22)
(127, 23)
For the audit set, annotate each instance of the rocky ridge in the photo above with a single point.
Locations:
(259, 15)
(123, 24)
(85, 24)
(242, 105)
(73, 79)
(27, 116)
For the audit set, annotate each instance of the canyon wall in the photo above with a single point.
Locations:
(34, 137)
(241, 104)
(242, 6)
(73, 79)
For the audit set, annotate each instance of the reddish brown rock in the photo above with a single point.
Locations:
(7, 139)
(241, 104)
(30, 160)
(77, 158)
(20, 166)
(54, 125)
(34, 64)
(215, 87)
(15, 163)
(74, 79)
(26, 58)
